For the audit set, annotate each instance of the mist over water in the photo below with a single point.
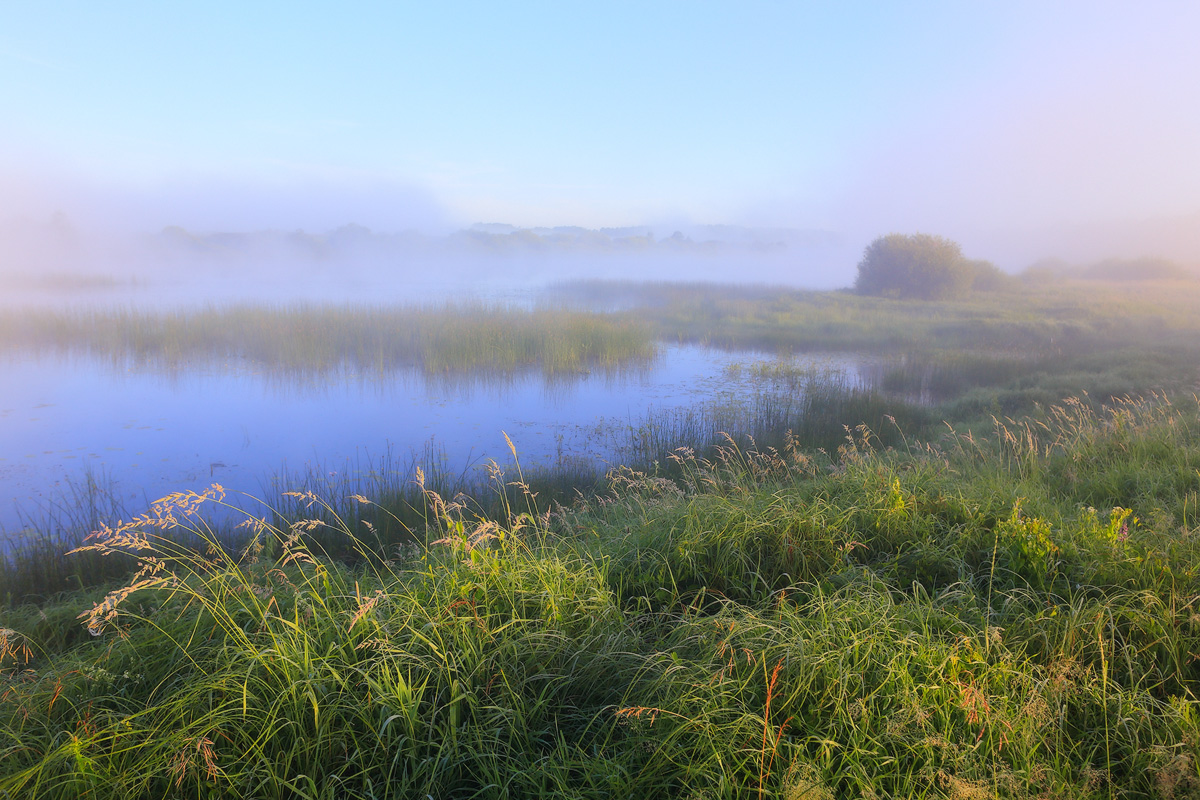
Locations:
(52, 263)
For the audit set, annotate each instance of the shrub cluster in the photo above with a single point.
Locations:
(924, 267)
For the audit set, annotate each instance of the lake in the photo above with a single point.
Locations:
(71, 425)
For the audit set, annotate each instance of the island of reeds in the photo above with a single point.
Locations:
(315, 341)
(974, 576)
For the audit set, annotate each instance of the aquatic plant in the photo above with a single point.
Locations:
(310, 341)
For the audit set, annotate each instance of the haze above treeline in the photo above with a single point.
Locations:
(778, 141)
(352, 262)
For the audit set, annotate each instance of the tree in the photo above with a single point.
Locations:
(918, 266)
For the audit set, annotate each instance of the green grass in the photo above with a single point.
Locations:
(1001, 351)
(1061, 317)
(1001, 613)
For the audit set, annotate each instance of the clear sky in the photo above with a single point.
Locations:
(950, 117)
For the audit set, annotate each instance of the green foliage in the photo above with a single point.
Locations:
(1028, 545)
(919, 266)
(940, 620)
(987, 277)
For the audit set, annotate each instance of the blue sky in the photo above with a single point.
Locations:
(952, 117)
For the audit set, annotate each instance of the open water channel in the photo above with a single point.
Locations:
(70, 425)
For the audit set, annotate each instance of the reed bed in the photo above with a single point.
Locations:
(1008, 611)
(810, 407)
(1060, 319)
(313, 341)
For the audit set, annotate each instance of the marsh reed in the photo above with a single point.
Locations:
(315, 340)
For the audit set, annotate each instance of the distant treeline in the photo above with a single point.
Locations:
(501, 238)
(1112, 269)
(921, 266)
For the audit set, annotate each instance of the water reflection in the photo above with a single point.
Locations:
(66, 421)
(310, 342)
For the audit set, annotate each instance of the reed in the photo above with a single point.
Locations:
(1061, 318)
(954, 617)
(311, 341)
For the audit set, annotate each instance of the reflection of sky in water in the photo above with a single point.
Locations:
(149, 435)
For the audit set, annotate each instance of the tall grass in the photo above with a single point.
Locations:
(993, 353)
(311, 340)
(955, 617)
(33, 558)
(1062, 318)
(812, 407)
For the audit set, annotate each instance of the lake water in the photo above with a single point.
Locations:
(140, 435)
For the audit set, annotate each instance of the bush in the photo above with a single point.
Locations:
(918, 266)
(987, 277)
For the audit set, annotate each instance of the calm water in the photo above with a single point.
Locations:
(143, 435)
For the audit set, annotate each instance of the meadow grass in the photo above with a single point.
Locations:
(1002, 351)
(1007, 612)
(1061, 317)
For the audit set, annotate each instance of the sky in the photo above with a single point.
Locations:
(978, 121)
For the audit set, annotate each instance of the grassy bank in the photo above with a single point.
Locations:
(1006, 613)
(1037, 344)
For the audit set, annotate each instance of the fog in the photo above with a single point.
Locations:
(197, 242)
(778, 142)
(254, 243)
